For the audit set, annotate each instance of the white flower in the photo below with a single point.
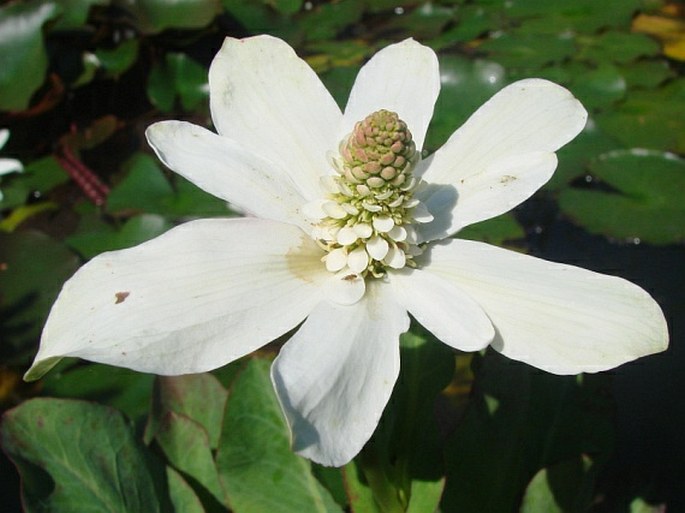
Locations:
(7, 165)
(347, 255)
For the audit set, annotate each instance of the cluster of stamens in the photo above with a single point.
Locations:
(369, 213)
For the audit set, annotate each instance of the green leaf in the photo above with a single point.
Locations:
(401, 467)
(74, 13)
(33, 268)
(359, 493)
(560, 488)
(466, 85)
(614, 46)
(123, 389)
(494, 231)
(325, 21)
(119, 59)
(24, 60)
(78, 456)
(257, 466)
(646, 73)
(598, 87)
(528, 51)
(145, 188)
(178, 77)
(38, 178)
(153, 16)
(199, 397)
(645, 203)
(286, 6)
(653, 119)
(185, 443)
(94, 236)
(182, 496)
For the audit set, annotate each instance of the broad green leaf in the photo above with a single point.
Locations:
(94, 236)
(23, 61)
(645, 201)
(598, 87)
(38, 178)
(78, 456)
(286, 6)
(494, 231)
(199, 397)
(326, 20)
(119, 59)
(359, 493)
(466, 85)
(145, 188)
(75, 13)
(423, 22)
(653, 119)
(153, 16)
(257, 466)
(185, 443)
(561, 15)
(123, 389)
(614, 46)
(646, 73)
(182, 496)
(425, 495)
(574, 158)
(560, 488)
(520, 420)
(471, 22)
(178, 78)
(33, 268)
(528, 51)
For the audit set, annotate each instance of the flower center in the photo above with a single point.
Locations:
(369, 212)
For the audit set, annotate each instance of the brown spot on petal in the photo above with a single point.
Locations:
(507, 178)
(121, 297)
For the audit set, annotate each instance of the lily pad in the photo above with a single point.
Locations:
(614, 46)
(645, 200)
(465, 86)
(528, 51)
(152, 16)
(652, 118)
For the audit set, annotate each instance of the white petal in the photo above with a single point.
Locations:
(270, 101)
(377, 247)
(197, 297)
(444, 309)
(4, 137)
(532, 116)
(481, 197)
(225, 169)
(358, 259)
(421, 214)
(556, 317)
(403, 78)
(335, 376)
(383, 224)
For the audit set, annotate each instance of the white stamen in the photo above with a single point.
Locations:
(383, 223)
(347, 236)
(336, 260)
(358, 259)
(363, 230)
(377, 247)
